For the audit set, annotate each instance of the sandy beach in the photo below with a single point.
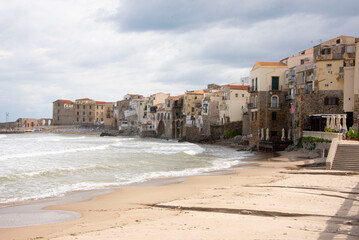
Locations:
(275, 199)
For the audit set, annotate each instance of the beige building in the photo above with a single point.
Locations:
(63, 112)
(84, 111)
(235, 101)
(104, 114)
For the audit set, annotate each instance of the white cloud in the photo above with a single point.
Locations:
(69, 49)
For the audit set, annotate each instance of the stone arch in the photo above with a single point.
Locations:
(161, 128)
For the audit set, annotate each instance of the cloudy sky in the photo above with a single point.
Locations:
(69, 49)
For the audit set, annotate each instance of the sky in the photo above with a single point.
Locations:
(65, 49)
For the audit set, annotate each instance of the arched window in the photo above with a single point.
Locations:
(274, 101)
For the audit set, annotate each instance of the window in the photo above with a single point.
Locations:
(193, 109)
(256, 84)
(273, 133)
(83, 119)
(101, 119)
(338, 41)
(90, 113)
(341, 69)
(329, 65)
(96, 113)
(78, 119)
(325, 51)
(274, 102)
(58, 118)
(236, 94)
(78, 113)
(58, 110)
(90, 119)
(83, 113)
(331, 101)
(78, 107)
(275, 83)
(329, 72)
(274, 115)
(97, 107)
(58, 104)
(252, 115)
(89, 107)
(102, 107)
(83, 106)
(301, 61)
(256, 115)
(242, 95)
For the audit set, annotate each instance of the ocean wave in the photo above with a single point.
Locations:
(216, 165)
(2, 136)
(44, 153)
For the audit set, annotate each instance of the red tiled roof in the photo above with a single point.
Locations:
(238, 87)
(100, 103)
(65, 101)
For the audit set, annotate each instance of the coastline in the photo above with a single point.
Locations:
(287, 202)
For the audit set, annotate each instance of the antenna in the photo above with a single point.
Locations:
(7, 117)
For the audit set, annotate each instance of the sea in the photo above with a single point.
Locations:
(43, 165)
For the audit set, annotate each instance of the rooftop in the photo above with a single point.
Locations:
(238, 87)
(65, 101)
(260, 64)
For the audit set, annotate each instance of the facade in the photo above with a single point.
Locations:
(235, 100)
(266, 109)
(63, 112)
(84, 111)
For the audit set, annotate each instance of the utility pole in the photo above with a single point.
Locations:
(7, 117)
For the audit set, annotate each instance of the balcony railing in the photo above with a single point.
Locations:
(252, 106)
(289, 97)
(252, 89)
(275, 106)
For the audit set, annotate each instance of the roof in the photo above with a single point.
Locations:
(65, 101)
(84, 99)
(100, 102)
(179, 96)
(237, 87)
(196, 92)
(260, 64)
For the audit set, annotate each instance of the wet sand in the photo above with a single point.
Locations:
(276, 200)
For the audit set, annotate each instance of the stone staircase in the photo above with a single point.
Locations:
(346, 157)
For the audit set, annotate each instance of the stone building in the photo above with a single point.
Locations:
(266, 108)
(84, 109)
(104, 114)
(63, 112)
(320, 81)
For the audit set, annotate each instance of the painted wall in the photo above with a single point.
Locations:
(328, 75)
(264, 76)
(348, 89)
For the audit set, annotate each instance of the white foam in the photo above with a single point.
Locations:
(2, 136)
(43, 153)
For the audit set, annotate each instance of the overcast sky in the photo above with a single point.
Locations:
(70, 49)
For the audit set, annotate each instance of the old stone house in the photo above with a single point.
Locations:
(266, 108)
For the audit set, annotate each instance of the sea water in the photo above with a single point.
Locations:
(36, 166)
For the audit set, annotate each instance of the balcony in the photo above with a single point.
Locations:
(289, 97)
(277, 106)
(251, 106)
(252, 89)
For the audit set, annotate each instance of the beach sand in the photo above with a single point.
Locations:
(274, 200)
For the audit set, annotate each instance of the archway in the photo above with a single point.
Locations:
(161, 129)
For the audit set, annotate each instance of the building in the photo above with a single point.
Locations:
(266, 108)
(235, 100)
(63, 112)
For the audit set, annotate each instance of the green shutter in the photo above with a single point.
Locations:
(275, 83)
